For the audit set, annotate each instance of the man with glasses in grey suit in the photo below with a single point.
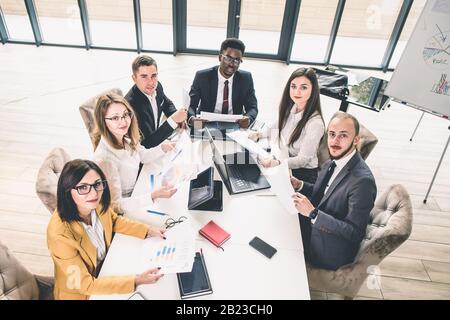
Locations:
(334, 212)
(224, 89)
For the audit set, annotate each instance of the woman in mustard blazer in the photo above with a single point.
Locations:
(80, 232)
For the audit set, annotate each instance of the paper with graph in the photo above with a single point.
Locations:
(173, 255)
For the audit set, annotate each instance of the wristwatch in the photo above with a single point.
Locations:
(313, 214)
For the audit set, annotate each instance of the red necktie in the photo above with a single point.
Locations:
(225, 98)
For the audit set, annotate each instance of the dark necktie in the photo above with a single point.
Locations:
(225, 98)
(315, 200)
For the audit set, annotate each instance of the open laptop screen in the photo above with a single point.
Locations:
(217, 156)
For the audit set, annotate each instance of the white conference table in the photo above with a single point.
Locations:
(238, 272)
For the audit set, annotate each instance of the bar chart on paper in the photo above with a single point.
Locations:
(171, 257)
(165, 253)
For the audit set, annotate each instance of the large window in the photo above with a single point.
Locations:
(112, 24)
(206, 23)
(17, 21)
(313, 30)
(413, 16)
(364, 32)
(60, 21)
(157, 31)
(260, 25)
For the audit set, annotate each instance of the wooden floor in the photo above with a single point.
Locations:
(41, 89)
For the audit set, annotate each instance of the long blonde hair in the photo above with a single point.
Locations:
(102, 130)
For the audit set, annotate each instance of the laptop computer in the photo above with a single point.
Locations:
(238, 177)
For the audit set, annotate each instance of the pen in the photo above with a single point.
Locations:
(152, 182)
(157, 212)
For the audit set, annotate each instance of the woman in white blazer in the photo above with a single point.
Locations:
(300, 125)
(118, 149)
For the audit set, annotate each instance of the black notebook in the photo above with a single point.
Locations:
(195, 283)
(205, 193)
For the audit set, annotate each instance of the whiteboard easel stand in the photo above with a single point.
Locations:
(437, 169)
(410, 139)
(388, 104)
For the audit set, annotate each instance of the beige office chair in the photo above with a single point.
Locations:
(389, 226)
(366, 144)
(17, 283)
(47, 178)
(87, 112)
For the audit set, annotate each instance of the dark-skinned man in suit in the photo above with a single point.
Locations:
(224, 89)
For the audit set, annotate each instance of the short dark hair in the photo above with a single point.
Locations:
(232, 43)
(71, 174)
(143, 60)
(345, 115)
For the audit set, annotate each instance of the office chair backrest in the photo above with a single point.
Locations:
(48, 175)
(390, 224)
(87, 112)
(16, 282)
(365, 146)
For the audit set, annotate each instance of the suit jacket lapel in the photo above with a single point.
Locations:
(85, 243)
(344, 172)
(235, 92)
(159, 102)
(105, 219)
(145, 102)
(213, 86)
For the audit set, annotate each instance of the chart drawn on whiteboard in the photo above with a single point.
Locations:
(442, 86)
(436, 51)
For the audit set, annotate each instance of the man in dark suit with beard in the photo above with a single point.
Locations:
(334, 212)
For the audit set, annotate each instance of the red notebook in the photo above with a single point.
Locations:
(214, 233)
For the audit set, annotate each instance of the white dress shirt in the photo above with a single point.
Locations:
(126, 161)
(219, 99)
(303, 152)
(154, 106)
(339, 165)
(95, 233)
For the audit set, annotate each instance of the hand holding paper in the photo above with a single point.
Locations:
(280, 183)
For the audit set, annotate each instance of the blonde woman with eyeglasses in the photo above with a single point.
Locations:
(118, 149)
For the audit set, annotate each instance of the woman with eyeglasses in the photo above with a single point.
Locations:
(300, 125)
(80, 233)
(118, 150)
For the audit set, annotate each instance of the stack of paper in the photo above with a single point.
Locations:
(220, 117)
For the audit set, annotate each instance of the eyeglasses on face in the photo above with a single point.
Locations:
(172, 222)
(229, 59)
(85, 188)
(126, 116)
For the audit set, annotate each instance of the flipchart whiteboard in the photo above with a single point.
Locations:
(422, 76)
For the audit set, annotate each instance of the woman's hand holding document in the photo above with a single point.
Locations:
(241, 137)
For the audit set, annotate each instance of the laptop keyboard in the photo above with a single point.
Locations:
(237, 180)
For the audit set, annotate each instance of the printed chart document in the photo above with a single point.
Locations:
(175, 254)
(210, 116)
(183, 163)
(280, 183)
